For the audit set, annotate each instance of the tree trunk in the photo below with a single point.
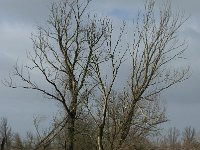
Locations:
(100, 138)
(126, 125)
(70, 132)
(3, 143)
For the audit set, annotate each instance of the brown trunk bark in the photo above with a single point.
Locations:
(100, 138)
(126, 125)
(101, 127)
(72, 116)
(70, 133)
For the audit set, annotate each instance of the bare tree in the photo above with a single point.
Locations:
(64, 53)
(154, 48)
(29, 142)
(18, 144)
(173, 138)
(5, 134)
(72, 52)
(189, 138)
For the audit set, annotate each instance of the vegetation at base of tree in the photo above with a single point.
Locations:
(172, 139)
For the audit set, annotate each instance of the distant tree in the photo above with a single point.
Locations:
(80, 61)
(29, 141)
(173, 138)
(189, 138)
(17, 142)
(5, 134)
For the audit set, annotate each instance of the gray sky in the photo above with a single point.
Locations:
(19, 18)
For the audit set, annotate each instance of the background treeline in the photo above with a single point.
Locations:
(173, 139)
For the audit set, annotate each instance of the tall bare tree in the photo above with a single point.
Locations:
(71, 55)
(65, 53)
(154, 48)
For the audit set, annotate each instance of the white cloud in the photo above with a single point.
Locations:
(15, 39)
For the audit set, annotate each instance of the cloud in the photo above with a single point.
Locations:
(20, 106)
(19, 18)
(191, 7)
(15, 38)
(24, 10)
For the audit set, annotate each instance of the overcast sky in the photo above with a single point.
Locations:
(19, 18)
